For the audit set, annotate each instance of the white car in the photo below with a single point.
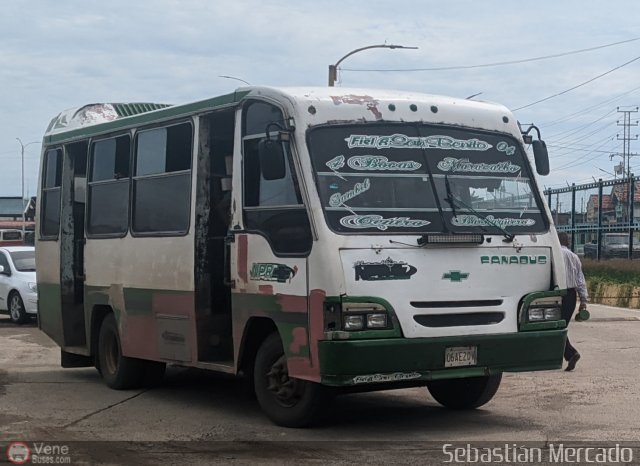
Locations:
(18, 291)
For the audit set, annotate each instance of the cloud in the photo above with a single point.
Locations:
(56, 55)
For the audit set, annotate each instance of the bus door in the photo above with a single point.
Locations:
(72, 241)
(271, 250)
(213, 217)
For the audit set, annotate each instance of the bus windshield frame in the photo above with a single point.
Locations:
(418, 178)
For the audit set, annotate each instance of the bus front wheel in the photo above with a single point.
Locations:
(287, 401)
(468, 393)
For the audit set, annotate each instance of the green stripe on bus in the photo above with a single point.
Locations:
(164, 114)
(341, 361)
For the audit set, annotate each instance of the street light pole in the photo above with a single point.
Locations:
(333, 69)
(22, 148)
(237, 79)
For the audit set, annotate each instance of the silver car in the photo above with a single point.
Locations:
(18, 291)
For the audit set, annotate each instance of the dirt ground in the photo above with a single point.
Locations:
(197, 417)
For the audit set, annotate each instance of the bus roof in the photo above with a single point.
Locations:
(356, 105)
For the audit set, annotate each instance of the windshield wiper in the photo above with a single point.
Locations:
(452, 200)
(449, 197)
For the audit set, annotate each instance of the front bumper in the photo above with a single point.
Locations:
(411, 360)
(30, 302)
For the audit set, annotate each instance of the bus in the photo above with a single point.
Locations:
(315, 241)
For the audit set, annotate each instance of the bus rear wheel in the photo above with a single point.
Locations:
(467, 393)
(120, 372)
(287, 401)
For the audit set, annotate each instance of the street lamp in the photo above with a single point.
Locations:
(608, 173)
(333, 69)
(22, 148)
(233, 77)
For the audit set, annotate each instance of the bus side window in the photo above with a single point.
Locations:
(109, 187)
(162, 181)
(272, 207)
(51, 183)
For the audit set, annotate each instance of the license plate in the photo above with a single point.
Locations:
(461, 356)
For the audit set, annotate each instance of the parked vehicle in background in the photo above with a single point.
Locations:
(614, 245)
(11, 238)
(18, 292)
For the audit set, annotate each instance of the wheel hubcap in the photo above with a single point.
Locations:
(285, 389)
(15, 308)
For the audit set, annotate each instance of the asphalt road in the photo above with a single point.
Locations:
(197, 417)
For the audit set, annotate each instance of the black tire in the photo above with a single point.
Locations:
(288, 402)
(118, 372)
(17, 312)
(468, 393)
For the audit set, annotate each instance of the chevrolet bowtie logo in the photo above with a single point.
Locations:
(455, 276)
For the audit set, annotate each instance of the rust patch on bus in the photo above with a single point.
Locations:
(299, 339)
(138, 335)
(292, 303)
(177, 304)
(351, 99)
(301, 368)
(309, 368)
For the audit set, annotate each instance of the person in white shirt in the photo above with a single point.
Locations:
(577, 287)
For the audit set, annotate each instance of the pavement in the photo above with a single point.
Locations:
(199, 417)
(600, 312)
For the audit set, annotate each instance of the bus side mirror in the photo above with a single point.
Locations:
(272, 163)
(2, 270)
(541, 156)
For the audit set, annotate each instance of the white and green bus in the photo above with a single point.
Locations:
(314, 240)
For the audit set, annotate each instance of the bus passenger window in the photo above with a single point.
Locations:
(52, 181)
(109, 187)
(162, 181)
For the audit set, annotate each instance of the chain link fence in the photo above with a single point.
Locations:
(602, 218)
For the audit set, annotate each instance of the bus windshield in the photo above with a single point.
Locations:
(417, 178)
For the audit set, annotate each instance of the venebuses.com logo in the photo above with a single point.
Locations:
(38, 453)
(18, 453)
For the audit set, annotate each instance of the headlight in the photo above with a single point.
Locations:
(552, 314)
(536, 314)
(353, 322)
(545, 309)
(33, 287)
(364, 316)
(376, 320)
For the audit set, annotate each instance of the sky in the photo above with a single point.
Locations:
(56, 55)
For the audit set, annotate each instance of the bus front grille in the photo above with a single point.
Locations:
(459, 319)
(450, 304)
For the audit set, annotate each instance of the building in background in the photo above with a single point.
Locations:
(11, 211)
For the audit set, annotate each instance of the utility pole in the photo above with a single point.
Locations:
(626, 155)
(627, 138)
(22, 148)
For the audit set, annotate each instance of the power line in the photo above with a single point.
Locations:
(587, 109)
(572, 163)
(585, 137)
(577, 86)
(573, 131)
(564, 185)
(574, 149)
(570, 149)
(512, 62)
